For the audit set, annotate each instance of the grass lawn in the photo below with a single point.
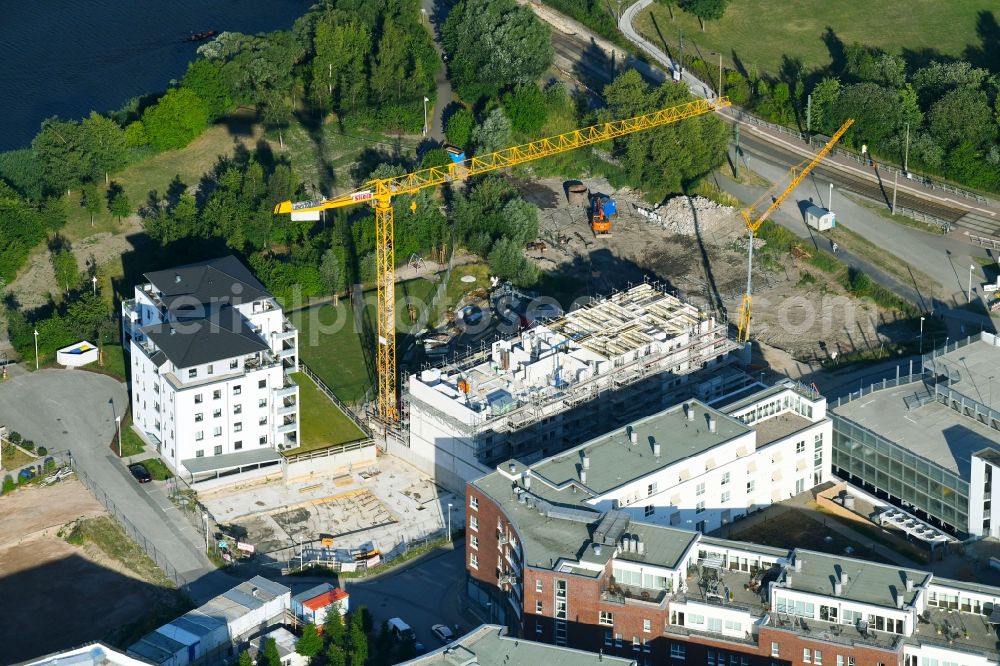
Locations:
(323, 424)
(334, 348)
(132, 444)
(14, 458)
(157, 469)
(794, 528)
(796, 29)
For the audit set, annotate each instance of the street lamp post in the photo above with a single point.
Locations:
(921, 336)
(36, 349)
(720, 71)
(968, 295)
(425, 115)
(118, 426)
(93, 281)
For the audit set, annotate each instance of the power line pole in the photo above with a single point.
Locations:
(906, 151)
(895, 184)
(809, 116)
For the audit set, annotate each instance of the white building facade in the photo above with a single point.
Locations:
(210, 353)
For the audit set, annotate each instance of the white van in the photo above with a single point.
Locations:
(399, 630)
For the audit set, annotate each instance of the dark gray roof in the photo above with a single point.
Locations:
(223, 335)
(222, 280)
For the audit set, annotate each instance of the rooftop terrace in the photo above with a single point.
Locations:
(867, 582)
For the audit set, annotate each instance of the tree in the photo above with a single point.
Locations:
(876, 110)
(333, 627)
(269, 655)
(87, 318)
(245, 659)
(962, 114)
(525, 107)
(62, 149)
(507, 261)
(118, 204)
(357, 640)
(53, 212)
(335, 655)
(934, 80)
(21, 228)
(705, 10)
(310, 643)
(666, 159)
(824, 96)
(458, 129)
(66, 269)
(135, 134)
(176, 119)
(204, 79)
(277, 114)
(865, 63)
(91, 200)
(338, 67)
(333, 269)
(106, 143)
(493, 134)
(494, 45)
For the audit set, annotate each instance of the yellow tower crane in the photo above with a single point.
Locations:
(379, 193)
(798, 174)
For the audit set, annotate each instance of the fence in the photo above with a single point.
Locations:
(132, 531)
(307, 557)
(334, 399)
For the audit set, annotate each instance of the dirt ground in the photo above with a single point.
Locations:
(65, 595)
(805, 320)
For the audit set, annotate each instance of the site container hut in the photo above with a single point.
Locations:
(820, 219)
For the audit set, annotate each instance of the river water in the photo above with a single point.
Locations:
(68, 57)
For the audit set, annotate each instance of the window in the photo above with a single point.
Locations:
(710, 658)
(538, 607)
(217, 432)
(200, 435)
(733, 625)
(473, 502)
(237, 409)
(474, 523)
(840, 660)
(818, 658)
(216, 395)
(725, 497)
(262, 403)
(636, 646)
(775, 650)
(538, 628)
(237, 390)
(218, 450)
(237, 445)
(850, 661)
(473, 560)
(725, 479)
(618, 640)
(234, 364)
(237, 427)
(607, 638)
(651, 489)
(262, 383)
(699, 489)
(263, 440)
(197, 398)
(750, 487)
(818, 441)
(678, 651)
(606, 618)
(199, 417)
(192, 373)
(715, 625)
(647, 626)
(209, 368)
(800, 447)
(475, 543)
(262, 420)
(649, 510)
(200, 453)
(216, 413)
(699, 507)
(539, 586)
(807, 655)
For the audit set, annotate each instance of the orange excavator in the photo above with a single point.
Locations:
(602, 209)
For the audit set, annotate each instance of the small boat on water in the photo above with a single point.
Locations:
(201, 36)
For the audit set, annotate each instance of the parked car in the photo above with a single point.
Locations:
(444, 634)
(140, 472)
(400, 630)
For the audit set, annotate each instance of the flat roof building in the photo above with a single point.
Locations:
(558, 384)
(928, 442)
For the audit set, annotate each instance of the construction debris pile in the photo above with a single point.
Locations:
(688, 216)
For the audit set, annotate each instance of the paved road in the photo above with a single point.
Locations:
(75, 410)
(432, 17)
(423, 594)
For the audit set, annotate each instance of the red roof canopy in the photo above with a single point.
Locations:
(325, 599)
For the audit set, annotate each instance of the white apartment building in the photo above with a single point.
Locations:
(210, 353)
(558, 384)
(695, 467)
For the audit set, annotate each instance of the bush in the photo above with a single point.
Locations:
(806, 279)
(175, 120)
(42, 451)
(15, 437)
(28, 445)
(458, 129)
(8, 484)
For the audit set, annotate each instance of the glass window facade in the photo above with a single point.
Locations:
(890, 468)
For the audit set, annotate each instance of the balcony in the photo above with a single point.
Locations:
(287, 353)
(287, 410)
(286, 428)
(287, 332)
(288, 389)
(626, 595)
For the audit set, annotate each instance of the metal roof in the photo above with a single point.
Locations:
(221, 280)
(221, 335)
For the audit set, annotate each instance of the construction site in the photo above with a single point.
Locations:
(557, 384)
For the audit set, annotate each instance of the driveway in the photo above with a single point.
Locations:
(75, 410)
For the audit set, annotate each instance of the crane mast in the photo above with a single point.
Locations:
(380, 192)
(753, 225)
